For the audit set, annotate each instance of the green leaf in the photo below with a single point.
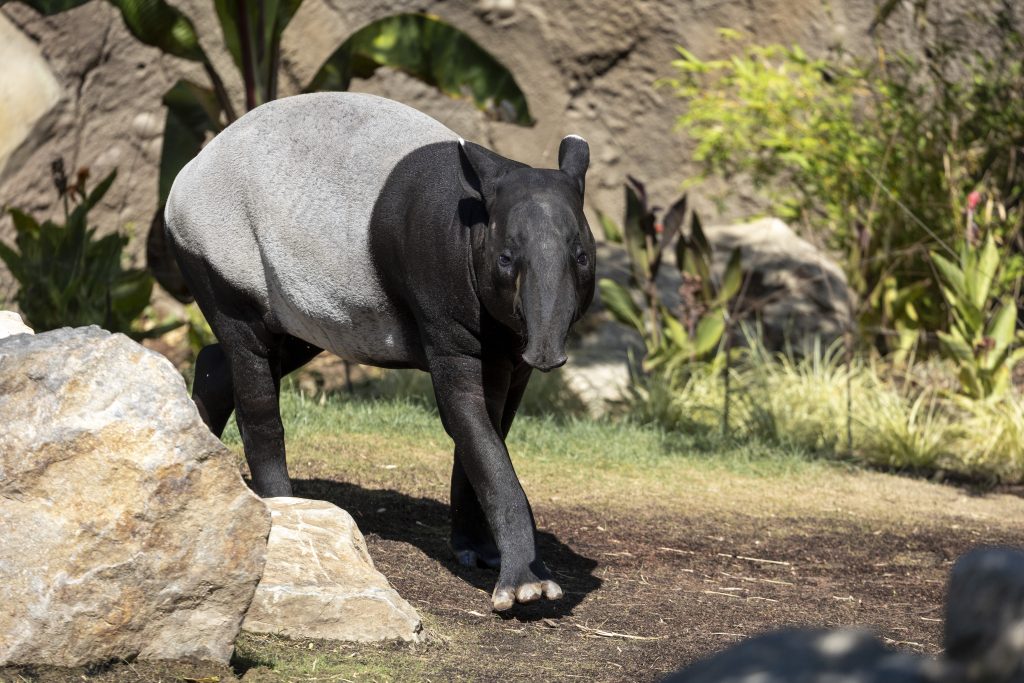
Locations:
(984, 272)
(951, 275)
(620, 304)
(732, 279)
(612, 233)
(956, 347)
(23, 223)
(635, 232)
(433, 51)
(709, 332)
(129, 296)
(98, 192)
(13, 261)
(50, 7)
(192, 112)
(157, 23)
(1003, 324)
(673, 221)
(674, 330)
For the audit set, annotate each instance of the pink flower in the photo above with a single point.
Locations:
(972, 200)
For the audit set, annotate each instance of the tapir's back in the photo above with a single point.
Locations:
(279, 206)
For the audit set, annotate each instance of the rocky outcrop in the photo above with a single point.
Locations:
(29, 91)
(793, 289)
(12, 324)
(320, 582)
(126, 528)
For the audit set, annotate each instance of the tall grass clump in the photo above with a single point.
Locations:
(827, 404)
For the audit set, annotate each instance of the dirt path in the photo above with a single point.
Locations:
(647, 594)
(661, 564)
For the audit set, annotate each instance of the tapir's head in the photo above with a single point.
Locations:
(535, 263)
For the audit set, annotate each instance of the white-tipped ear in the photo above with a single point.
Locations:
(574, 159)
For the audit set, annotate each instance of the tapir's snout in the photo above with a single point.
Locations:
(548, 306)
(545, 364)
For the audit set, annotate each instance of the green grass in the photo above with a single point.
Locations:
(556, 440)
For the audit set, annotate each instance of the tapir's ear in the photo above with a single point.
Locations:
(574, 158)
(482, 168)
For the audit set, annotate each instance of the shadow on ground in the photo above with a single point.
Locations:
(424, 523)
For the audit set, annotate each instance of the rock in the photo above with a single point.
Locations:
(127, 530)
(985, 615)
(12, 324)
(320, 582)
(29, 91)
(795, 290)
(812, 656)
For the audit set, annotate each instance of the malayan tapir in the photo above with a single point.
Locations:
(356, 224)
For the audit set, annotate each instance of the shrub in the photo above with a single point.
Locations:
(69, 276)
(674, 339)
(879, 157)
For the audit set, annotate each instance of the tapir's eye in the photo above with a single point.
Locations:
(504, 260)
(582, 259)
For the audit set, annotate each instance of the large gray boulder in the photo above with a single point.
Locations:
(320, 581)
(127, 530)
(794, 290)
(984, 631)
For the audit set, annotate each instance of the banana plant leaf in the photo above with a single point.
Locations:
(252, 34)
(620, 304)
(432, 51)
(638, 226)
(49, 7)
(156, 23)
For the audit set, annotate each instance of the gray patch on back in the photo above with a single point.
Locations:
(279, 205)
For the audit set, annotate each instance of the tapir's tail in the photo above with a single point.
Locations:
(162, 262)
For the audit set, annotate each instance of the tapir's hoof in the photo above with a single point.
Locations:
(504, 597)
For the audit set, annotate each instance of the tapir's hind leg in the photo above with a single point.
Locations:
(244, 373)
(213, 391)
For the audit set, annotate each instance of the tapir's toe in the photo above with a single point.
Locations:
(552, 591)
(504, 597)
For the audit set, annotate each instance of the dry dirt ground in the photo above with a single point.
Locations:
(662, 563)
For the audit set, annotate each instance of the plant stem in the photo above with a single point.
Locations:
(248, 68)
(222, 93)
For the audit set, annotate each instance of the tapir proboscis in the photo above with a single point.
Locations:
(356, 224)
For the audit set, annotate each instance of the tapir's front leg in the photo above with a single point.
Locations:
(464, 387)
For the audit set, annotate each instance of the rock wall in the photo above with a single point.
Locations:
(587, 67)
